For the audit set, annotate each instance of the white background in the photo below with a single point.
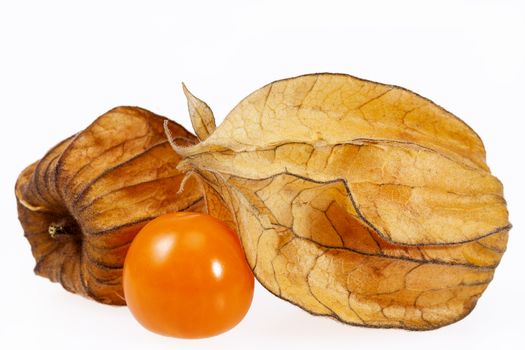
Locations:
(62, 65)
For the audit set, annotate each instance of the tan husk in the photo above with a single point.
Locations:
(81, 205)
(356, 200)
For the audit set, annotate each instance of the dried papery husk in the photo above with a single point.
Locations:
(82, 204)
(356, 200)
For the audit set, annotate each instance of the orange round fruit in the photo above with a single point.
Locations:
(185, 275)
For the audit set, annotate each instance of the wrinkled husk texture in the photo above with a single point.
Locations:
(356, 200)
(82, 204)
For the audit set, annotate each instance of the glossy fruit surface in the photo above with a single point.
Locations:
(185, 275)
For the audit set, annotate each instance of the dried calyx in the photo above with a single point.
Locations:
(82, 204)
(356, 200)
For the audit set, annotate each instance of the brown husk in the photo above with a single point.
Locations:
(81, 205)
